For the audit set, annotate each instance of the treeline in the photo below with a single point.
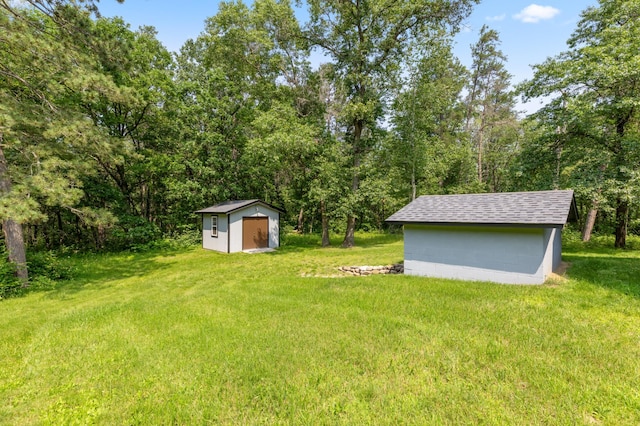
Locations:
(108, 141)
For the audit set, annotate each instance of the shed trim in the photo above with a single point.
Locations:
(479, 224)
(227, 207)
(214, 234)
(228, 235)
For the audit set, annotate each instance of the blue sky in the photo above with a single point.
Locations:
(530, 31)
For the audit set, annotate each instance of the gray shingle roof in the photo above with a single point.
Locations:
(505, 208)
(230, 206)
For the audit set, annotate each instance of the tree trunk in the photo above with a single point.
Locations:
(300, 228)
(349, 236)
(622, 205)
(414, 186)
(13, 237)
(145, 201)
(60, 228)
(101, 236)
(591, 220)
(14, 241)
(622, 219)
(326, 242)
(480, 142)
(556, 177)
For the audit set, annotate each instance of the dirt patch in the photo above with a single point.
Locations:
(562, 268)
(558, 277)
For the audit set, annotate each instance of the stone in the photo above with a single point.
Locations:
(397, 268)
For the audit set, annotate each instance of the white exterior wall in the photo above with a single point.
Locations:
(549, 234)
(235, 225)
(220, 242)
(557, 248)
(478, 253)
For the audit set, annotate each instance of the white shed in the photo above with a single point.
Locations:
(511, 238)
(240, 225)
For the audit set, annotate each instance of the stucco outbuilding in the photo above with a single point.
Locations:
(511, 238)
(240, 225)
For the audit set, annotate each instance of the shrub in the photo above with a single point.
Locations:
(9, 284)
(133, 232)
(47, 264)
(45, 271)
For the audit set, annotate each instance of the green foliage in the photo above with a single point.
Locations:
(491, 119)
(422, 150)
(227, 83)
(9, 283)
(368, 42)
(592, 119)
(187, 236)
(46, 271)
(133, 232)
(47, 264)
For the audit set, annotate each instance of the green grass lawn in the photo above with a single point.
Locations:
(192, 336)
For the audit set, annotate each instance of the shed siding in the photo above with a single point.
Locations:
(503, 255)
(218, 243)
(557, 248)
(547, 247)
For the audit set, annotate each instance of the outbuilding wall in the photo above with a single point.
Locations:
(220, 242)
(509, 255)
(256, 210)
(557, 248)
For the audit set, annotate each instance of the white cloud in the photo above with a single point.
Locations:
(535, 13)
(496, 18)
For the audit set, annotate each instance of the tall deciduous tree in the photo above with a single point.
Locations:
(367, 40)
(596, 90)
(227, 77)
(427, 119)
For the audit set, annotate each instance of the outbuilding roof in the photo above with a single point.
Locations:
(535, 208)
(227, 207)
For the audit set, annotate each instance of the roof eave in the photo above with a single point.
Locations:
(476, 224)
(243, 206)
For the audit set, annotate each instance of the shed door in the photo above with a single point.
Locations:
(255, 232)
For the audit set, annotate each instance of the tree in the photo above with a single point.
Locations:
(427, 118)
(49, 70)
(595, 86)
(227, 78)
(367, 41)
(279, 156)
(35, 74)
(328, 182)
(491, 121)
(133, 118)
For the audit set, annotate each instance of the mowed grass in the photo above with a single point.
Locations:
(195, 337)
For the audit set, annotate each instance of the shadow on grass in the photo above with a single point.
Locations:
(98, 270)
(614, 271)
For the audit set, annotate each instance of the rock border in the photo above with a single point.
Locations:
(360, 271)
